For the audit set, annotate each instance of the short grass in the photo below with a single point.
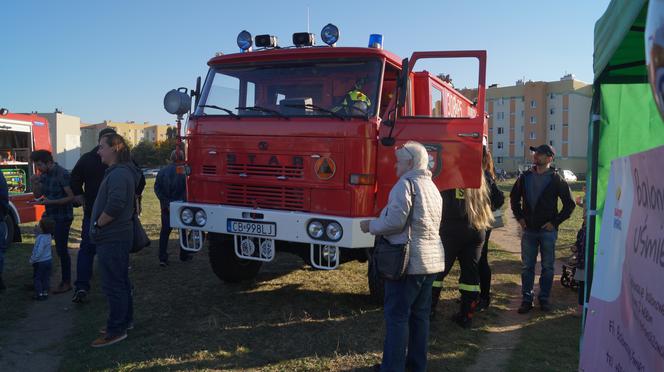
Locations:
(291, 318)
(17, 273)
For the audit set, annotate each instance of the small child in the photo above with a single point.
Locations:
(41, 258)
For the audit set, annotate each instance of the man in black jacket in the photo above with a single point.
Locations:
(85, 180)
(534, 201)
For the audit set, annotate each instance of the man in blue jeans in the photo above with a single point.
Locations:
(534, 201)
(85, 180)
(51, 189)
(169, 187)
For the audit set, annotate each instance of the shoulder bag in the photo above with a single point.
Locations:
(391, 260)
(141, 239)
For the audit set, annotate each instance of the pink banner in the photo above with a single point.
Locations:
(625, 320)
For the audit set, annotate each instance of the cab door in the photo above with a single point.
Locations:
(452, 133)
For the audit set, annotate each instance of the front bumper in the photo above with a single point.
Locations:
(290, 226)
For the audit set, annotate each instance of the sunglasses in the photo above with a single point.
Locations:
(408, 151)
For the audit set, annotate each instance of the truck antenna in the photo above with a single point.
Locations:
(307, 19)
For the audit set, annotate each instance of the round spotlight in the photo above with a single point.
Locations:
(334, 231)
(330, 34)
(177, 102)
(244, 41)
(315, 229)
(187, 216)
(200, 217)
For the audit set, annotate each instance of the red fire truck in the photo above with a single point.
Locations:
(278, 160)
(19, 135)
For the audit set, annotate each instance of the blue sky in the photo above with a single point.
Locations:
(116, 59)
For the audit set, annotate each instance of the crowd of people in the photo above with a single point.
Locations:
(440, 227)
(107, 184)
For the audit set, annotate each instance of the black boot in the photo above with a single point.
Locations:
(2, 285)
(464, 318)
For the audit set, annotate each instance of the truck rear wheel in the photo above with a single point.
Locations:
(225, 264)
(376, 284)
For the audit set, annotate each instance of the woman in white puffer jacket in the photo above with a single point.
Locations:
(408, 301)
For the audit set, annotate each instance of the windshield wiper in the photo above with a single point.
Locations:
(263, 109)
(317, 108)
(229, 112)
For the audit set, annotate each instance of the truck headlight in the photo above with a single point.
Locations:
(315, 229)
(334, 231)
(200, 217)
(187, 216)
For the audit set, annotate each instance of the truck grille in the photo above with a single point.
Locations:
(210, 169)
(266, 170)
(270, 197)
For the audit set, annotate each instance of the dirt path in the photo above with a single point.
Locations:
(504, 332)
(35, 342)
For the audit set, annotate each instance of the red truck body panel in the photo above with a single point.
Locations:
(40, 140)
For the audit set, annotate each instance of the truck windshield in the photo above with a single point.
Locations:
(330, 88)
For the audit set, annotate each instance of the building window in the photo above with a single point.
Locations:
(552, 111)
(521, 128)
(532, 135)
(533, 120)
(551, 96)
(565, 125)
(552, 127)
(500, 145)
(501, 130)
(499, 159)
(533, 103)
(521, 113)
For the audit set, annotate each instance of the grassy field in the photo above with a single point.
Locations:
(291, 318)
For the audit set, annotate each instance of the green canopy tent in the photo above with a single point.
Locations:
(624, 118)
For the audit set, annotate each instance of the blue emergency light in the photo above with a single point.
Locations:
(376, 41)
(244, 41)
(330, 34)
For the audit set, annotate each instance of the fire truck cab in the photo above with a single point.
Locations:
(20, 134)
(288, 149)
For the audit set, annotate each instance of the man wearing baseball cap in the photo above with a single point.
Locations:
(534, 202)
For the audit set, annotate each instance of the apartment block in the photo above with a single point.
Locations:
(131, 131)
(65, 136)
(535, 112)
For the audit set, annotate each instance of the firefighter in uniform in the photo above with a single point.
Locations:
(467, 214)
(355, 102)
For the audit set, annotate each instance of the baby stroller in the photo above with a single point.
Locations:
(569, 270)
(576, 261)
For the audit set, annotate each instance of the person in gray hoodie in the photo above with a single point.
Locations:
(408, 301)
(112, 232)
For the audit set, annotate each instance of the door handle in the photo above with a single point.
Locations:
(474, 135)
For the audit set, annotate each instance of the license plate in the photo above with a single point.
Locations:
(251, 227)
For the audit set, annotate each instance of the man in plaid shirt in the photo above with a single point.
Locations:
(51, 189)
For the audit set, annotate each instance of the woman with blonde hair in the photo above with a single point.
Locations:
(407, 301)
(466, 217)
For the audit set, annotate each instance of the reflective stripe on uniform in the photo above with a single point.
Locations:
(469, 287)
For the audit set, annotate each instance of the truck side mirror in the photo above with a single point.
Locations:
(197, 92)
(403, 84)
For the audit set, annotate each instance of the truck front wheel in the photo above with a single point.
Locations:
(225, 264)
(11, 226)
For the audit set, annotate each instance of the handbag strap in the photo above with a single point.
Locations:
(412, 206)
